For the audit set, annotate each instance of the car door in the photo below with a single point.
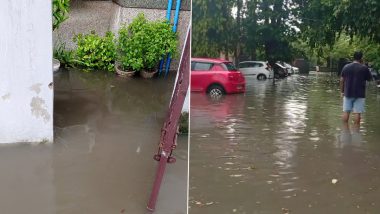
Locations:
(243, 68)
(200, 75)
(247, 68)
(255, 67)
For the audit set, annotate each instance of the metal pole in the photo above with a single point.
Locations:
(169, 131)
(168, 15)
(176, 18)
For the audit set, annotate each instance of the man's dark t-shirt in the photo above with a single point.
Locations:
(355, 76)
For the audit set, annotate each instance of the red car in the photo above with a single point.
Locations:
(216, 77)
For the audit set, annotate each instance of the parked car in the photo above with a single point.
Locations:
(280, 71)
(260, 69)
(216, 77)
(292, 69)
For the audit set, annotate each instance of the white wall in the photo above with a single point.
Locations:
(26, 100)
(186, 105)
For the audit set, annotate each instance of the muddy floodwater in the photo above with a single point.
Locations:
(106, 133)
(282, 149)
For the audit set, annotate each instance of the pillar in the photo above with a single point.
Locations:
(26, 89)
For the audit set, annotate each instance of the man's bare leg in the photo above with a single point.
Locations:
(345, 117)
(357, 118)
(346, 126)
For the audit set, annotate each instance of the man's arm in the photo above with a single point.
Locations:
(342, 80)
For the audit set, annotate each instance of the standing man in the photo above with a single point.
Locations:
(353, 86)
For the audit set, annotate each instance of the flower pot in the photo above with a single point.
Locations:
(147, 74)
(56, 65)
(123, 73)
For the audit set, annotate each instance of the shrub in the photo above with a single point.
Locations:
(66, 57)
(95, 52)
(143, 43)
(184, 123)
(60, 12)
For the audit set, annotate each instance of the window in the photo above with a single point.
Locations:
(244, 65)
(192, 65)
(250, 65)
(229, 66)
(257, 65)
(201, 66)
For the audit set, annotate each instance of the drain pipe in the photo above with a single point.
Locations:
(168, 15)
(176, 17)
(168, 139)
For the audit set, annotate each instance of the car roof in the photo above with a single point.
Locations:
(211, 60)
(254, 62)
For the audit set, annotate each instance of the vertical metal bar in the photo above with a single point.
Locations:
(168, 15)
(168, 135)
(176, 18)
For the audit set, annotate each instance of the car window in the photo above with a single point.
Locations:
(201, 66)
(192, 65)
(243, 65)
(247, 65)
(255, 65)
(228, 66)
(250, 64)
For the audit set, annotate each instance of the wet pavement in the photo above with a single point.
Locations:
(282, 149)
(106, 132)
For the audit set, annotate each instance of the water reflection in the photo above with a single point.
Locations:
(279, 146)
(349, 137)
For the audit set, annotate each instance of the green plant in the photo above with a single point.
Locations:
(143, 43)
(60, 12)
(95, 52)
(66, 57)
(184, 123)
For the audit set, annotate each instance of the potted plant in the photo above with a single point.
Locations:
(129, 52)
(144, 43)
(95, 52)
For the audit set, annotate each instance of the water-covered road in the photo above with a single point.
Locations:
(282, 149)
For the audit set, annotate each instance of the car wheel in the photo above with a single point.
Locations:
(261, 77)
(215, 91)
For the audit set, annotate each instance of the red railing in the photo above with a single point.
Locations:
(169, 132)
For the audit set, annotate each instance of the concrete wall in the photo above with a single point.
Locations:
(26, 100)
(186, 105)
(153, 4)
(101, 16)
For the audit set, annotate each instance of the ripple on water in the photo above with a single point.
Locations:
(291, 132)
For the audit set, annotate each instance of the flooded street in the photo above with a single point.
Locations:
(106, 133)
(278, 149)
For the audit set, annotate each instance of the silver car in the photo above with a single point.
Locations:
(292, 69)
(260, 69)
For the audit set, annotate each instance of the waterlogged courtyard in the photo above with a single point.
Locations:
(106, 132)
(282, 148)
